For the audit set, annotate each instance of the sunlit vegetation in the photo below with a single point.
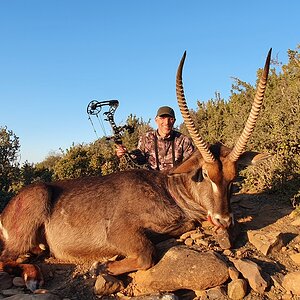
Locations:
(276, 132)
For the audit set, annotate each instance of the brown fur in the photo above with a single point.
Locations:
(93, 218)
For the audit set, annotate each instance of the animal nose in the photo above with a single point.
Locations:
(221, 221)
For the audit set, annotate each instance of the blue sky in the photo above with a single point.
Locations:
(56, 56)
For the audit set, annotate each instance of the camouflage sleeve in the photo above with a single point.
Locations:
(141, 143)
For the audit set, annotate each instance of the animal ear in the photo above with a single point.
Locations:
(188, 165)
(252, 158)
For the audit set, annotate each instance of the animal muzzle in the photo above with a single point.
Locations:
(220, 221)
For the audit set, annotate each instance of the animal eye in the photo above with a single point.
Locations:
(198, 177)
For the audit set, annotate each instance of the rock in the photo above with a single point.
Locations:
(202, 242)
(18, 281)
(181, 268)
(233, 273)
(295, 258)
(237, 289)
(216, 293)
(5, 281)
(189, 241)
(197, 235)
(201, 295)
(223, 238)
(158, 296)
(251, 271)
(187, 234)
(226, 237)
(34, 297)
(265, 242)
(12, 292)
(291, 282)
(107, 284)
(228, 252)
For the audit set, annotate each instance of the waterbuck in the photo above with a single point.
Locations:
(93, 218)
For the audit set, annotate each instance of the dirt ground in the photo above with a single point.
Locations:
(254, 212)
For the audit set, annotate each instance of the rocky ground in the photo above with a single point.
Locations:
(263, 263)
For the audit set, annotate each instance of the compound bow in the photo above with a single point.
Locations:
(95, 107)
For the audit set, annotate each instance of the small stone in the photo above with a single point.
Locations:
(223, 239)
(202, 242)
(237, 289)
(18, 281)
(239, 253)
(197, 235)
(107, 284)
(233, 273)
(189, 241)
(187, 234)
(228, 252)
(216, 293)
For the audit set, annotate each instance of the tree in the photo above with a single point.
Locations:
(9, 155)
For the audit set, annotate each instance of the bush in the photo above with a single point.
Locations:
(276, 131)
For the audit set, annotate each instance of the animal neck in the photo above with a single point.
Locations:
(182, 189)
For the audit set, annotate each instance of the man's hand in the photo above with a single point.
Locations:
(121, 150)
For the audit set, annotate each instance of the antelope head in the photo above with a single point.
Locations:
(215, 167)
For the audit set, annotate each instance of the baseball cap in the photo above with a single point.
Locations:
(165, 110)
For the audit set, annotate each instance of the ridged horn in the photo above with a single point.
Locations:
(198, 141)
(251, 121)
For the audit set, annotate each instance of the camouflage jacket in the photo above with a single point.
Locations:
(163, 153)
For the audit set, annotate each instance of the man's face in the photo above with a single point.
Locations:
(165, 125)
